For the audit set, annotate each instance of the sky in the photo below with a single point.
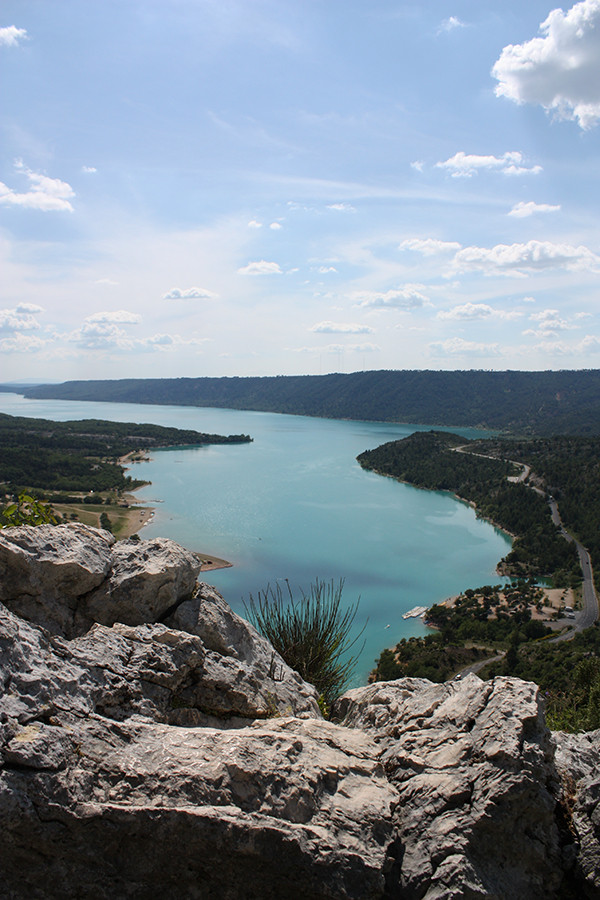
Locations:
(272, 187)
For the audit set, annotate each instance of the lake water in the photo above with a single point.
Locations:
(295, 505)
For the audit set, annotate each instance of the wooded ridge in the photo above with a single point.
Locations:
(563, 402)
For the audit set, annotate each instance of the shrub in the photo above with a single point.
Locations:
(312, 633)
(27, 511)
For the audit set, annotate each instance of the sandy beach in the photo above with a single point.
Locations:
(139, 516)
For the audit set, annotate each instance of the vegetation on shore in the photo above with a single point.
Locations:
(508, 621)
(433, 460)
(568, 674)
(77, 466)
(474, 626)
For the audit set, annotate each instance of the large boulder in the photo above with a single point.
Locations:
(473, 765)
(67, 577)
(44, 571)
(577, 762)
(166, 749)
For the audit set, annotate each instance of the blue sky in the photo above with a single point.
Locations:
(262, 187)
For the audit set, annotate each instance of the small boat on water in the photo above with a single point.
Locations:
(415, 612)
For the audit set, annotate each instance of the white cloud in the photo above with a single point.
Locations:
(457, 347)
(21, 343)
(261, 267)
(121, 316)
(521, 210)
(450, 24)
(429, 246)
(29, 308)
(559, 71)
(418, 165)
(407, 297)
(521, 259)
(89, 170)
(103, 331)
(464, 165)
(21, 318)
(254, 224)
(11, 35)
(549, 322)
(471, 311)
(46, 194)
(325, 270)
(342, 207)
(275, 226)
(589, 345)
(192, 293)
(341, 328)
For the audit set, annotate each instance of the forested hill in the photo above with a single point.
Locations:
(544, 403)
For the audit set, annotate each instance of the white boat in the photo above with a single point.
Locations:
(415, 612)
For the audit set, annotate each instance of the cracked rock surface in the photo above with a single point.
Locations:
(153, 744)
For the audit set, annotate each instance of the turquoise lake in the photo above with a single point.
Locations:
(295, 505)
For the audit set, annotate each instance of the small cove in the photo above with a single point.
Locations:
(295, 505)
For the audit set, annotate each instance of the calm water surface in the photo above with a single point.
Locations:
(295, 504)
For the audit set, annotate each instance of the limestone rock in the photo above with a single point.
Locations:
(285, 808)
(237, 654)
(67, 577)
(166, 750)
(146, 580)
(577, 761)
(473, 765)
(44, 570)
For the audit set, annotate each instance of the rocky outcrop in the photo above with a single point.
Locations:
(167, 750)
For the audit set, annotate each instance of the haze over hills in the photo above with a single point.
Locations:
(544, 403)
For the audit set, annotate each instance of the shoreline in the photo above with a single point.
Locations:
(471, 503)
(137, 517)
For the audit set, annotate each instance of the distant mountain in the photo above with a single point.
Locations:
(564, 402)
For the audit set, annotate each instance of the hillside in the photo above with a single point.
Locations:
(564, 402)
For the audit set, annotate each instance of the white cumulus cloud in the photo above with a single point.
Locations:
(548, 323)
(45, 194)
(407, 297)
(21, 343)
(522, 209)
(261, 267)
(521, 259)
(11, 35)
(121, 316)
(472, 311)
(429, 246)
(20, 318)
(560, 70)
(464, 165)
(192, 293)
(341, 328)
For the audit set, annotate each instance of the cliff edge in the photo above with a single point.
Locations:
(152, 743)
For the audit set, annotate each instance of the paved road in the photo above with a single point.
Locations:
(589, 614)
